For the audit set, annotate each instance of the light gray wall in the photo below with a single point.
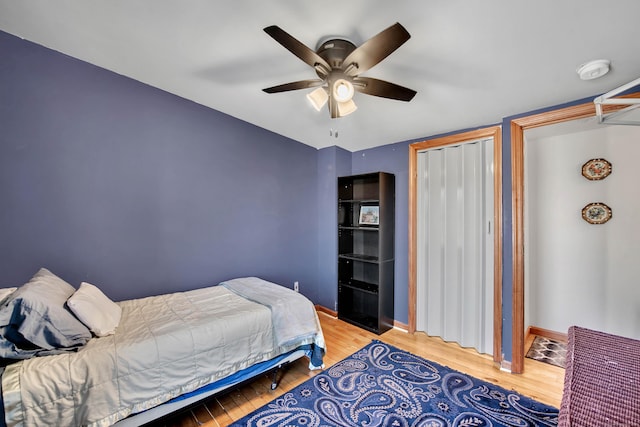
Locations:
(579, 273)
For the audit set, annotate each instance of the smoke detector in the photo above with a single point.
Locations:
(593, 69)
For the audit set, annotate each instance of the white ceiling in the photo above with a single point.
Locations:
(471, 62)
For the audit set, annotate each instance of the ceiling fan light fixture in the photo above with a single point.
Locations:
(318, 98)
(343, 90)
(346, 108)
(338, 63)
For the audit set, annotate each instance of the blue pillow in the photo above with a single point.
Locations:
(34, 319)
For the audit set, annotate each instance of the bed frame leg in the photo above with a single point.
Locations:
(274, 381)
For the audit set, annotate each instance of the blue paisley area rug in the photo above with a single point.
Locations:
(383, 386)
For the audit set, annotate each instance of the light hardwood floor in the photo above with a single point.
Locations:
(540, 381)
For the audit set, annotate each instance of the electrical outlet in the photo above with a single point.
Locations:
(296, 286)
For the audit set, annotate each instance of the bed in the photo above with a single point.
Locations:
(166, 352)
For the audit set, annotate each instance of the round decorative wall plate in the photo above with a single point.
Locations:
(596, 213)
(596, 169)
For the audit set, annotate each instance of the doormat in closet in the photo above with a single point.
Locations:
(548, 351)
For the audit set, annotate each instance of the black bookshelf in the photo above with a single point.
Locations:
(366, 222)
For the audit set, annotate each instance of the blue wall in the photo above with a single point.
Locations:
(138, 191)
(332, 163)
(394, 159)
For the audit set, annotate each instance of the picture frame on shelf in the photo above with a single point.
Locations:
(369, 215)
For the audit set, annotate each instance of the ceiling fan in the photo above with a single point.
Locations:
(339, 63)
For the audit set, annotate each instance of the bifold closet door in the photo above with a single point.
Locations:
(455, 244)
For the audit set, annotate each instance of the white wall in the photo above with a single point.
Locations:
(578, 273)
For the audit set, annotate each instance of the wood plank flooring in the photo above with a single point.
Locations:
(540, 381)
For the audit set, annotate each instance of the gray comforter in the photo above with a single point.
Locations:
(164, 346)
(293, 317)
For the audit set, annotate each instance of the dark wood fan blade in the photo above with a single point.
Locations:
(382, 88)
(297, 48)
(375, 49)
(302, 84)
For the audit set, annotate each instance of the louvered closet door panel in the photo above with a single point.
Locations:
(472, 283)
(452, 258)
(434, 248)
(453, 214)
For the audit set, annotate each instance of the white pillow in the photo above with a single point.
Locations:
(95, 309)
(5, 292)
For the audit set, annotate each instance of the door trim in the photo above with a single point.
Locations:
(489, 132)
(518, 127)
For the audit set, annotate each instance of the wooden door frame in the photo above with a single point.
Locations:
(518, 127)
(474, 135)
